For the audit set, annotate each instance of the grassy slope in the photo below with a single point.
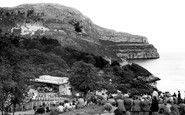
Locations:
(89, 110)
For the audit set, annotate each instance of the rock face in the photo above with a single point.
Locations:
(74, 30)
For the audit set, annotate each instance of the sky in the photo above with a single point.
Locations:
(161, 21)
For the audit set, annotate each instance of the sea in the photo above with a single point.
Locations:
(170, 68)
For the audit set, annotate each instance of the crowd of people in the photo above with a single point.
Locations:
(60, 107)
(47, 97)
(154, 104)
(46, 89)
(122, 104)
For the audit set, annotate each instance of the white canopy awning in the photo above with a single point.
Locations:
(52, 79)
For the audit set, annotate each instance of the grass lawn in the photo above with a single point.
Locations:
(89, 110)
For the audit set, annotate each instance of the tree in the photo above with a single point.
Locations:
(21, 77)
(141, 87)
(89, 59)
(14, 73)
(84, 77)
(6, 84)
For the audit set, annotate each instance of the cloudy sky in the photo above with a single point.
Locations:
(161, 21)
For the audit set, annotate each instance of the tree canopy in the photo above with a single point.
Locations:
(14, 72)
(22, 59)
(84, 77)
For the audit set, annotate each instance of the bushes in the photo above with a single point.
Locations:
(46, 56)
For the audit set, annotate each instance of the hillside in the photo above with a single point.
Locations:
(48, 39)
(74, 30)
(45, 56)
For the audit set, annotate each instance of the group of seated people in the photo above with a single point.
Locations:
(45, 89)
(60, 107)
(48, 97)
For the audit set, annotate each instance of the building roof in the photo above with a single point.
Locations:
(52, 79)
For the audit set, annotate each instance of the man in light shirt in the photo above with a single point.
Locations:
(61, 108)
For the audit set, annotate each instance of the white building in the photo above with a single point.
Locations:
(62, 82)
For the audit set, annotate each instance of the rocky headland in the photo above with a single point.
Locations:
(72, 29)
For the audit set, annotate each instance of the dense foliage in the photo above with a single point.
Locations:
(22, 59)
(84, 77)
(15, 72)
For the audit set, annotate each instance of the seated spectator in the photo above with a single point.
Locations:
(104, 98)
(81, 103)
(40, 110)
(73, 104)
(67, 105)
(174, 109)
(94, 99)
(35, 108)
(47, 109)
(111, 100)
(53, 110)
(61, 108)
(113, 107)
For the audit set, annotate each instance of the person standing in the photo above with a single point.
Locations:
(136, 107)
(167, 107)
(155, 106)
(179, 97)
(121, 107)
(145, 106)
(128, 104)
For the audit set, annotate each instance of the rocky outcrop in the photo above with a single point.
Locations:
(75, 30)
(136, 51)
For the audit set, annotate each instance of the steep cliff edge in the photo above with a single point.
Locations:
(75, 30)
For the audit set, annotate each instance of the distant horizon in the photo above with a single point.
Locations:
(170, 69)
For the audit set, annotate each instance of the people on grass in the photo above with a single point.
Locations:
(123, 104)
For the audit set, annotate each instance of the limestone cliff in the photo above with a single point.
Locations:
(75, 30)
